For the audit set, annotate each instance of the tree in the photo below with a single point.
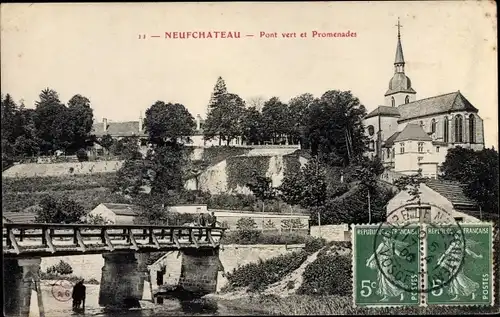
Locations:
(297, 109)
(252, 126)
(106, 141)
(132, 178)
(275, 120)
(219, 90)
(59, 210)
(262, 188)
(225, 120)
(167, 122)
(477, 171)
(127, 148)
(9, 114)
(256, 102)
(334, 128)
(80, 119)
(367, 172)
(411, 184)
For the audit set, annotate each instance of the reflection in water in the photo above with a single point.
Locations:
(170, 307)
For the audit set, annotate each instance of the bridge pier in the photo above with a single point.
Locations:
(199, 270)
(121, 281)
(19, 278)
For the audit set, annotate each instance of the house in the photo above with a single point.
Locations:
(436, 196)
(19, 217)
(116, 213)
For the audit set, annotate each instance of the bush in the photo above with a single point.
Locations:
(257, 276)
(314, 244)
(258, 237)
(61, 268)
(328, 275)
(82, 155)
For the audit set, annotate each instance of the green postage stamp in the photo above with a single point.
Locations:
(423, 264)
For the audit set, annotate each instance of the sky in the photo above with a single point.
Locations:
(94, 50)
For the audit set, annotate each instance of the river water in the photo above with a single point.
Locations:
(200, 307)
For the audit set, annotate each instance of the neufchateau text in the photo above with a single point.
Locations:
(261, 34)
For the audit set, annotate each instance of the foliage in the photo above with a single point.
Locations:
(274, 120)
(62, 268)
(292, 224)
(167, 122)
(106, 141)
(411, 184)
(242, 170)
(97, 220)
(57, 183)
(291, 162)
(82, 155)
(314, 244)
(126, 148)
(297, 114)
(252, 126)
(272, 238)
(259, 275)
(62, 210)
(262, 188)
(478, 172)
(334, 128)
(328, 275)
(219, 90)
(131, 178)
(247, 230)
(246, 223)
(225, 120)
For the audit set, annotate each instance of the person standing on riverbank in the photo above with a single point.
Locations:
(78, 295)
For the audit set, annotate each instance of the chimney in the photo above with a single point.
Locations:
(198, 122)
(140, 122)
(105, 124)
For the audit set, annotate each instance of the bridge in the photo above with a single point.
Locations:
(122, 279)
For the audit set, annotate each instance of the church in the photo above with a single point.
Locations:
(409, 134)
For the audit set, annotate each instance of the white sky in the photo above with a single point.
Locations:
(94, 50)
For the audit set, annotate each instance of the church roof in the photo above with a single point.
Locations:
(413, 132)
(390, 141)
(384, 111)
(454, 101)
(399, 52)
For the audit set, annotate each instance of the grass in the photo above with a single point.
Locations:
(338, 305)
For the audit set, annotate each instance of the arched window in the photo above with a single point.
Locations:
(371, 130)
(433, 126)
(446, 130)
(393, 102)
(372, 146)
(388, 153)
(407, 99)
(459, 132)
(472, 128)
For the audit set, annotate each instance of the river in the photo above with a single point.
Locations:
(200, 307)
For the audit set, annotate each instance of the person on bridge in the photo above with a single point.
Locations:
(213, 220)
(78, 295)
(202, 223)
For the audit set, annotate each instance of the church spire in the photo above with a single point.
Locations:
(399, 63)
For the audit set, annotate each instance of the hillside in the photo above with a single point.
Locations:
(61, 169)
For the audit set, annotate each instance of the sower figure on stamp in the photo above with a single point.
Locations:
(386, 251)
(79, 295)
(460, 285)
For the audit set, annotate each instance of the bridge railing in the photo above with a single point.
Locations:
(52, 238)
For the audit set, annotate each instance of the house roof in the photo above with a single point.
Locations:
(454, 101)
(19, 217)
(126, 128)
(390, 141)
(384, 111)
(122, 209)
(413, 132)
(451, 191)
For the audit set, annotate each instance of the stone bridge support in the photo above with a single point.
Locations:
(199, 270)
(122, 281)
(20, 278)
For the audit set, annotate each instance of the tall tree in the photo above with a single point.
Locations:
(169, 123)
(262, 188)
(9, 114)
(225, 121)
(297, 109)
(367, 172)
(59, 210)
(275, 119)
(80, 119)
(252, 126)
(219, 90)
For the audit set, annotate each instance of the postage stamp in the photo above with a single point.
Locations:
(62, 290)
(421, 261)
(467, 264)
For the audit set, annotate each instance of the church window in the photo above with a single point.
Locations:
(433, 126)
(407, 99)
(472, 123)
(459, 129)
(446, 130)
(401, 148)
(420, 158)
(420, 147)
(371, 130)
(372, 146)
(393, 152)
(388, 153)
(437, 149)
(421, 123)
(393, 102)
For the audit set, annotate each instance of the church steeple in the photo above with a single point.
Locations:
(399, 62)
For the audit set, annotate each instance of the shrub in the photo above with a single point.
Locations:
(247, 237)
(257, 276)
(82, 155)
(61, 268)
(314, 244)
(328, 275)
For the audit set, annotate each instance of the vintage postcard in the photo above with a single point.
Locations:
(250, 158)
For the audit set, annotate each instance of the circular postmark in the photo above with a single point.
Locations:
(419, 259)
(62, 290)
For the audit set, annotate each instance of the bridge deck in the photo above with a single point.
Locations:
(43, 240)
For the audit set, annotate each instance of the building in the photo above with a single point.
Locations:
(123, 214)
(18, 217)
(437, 195)
(409, 134)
